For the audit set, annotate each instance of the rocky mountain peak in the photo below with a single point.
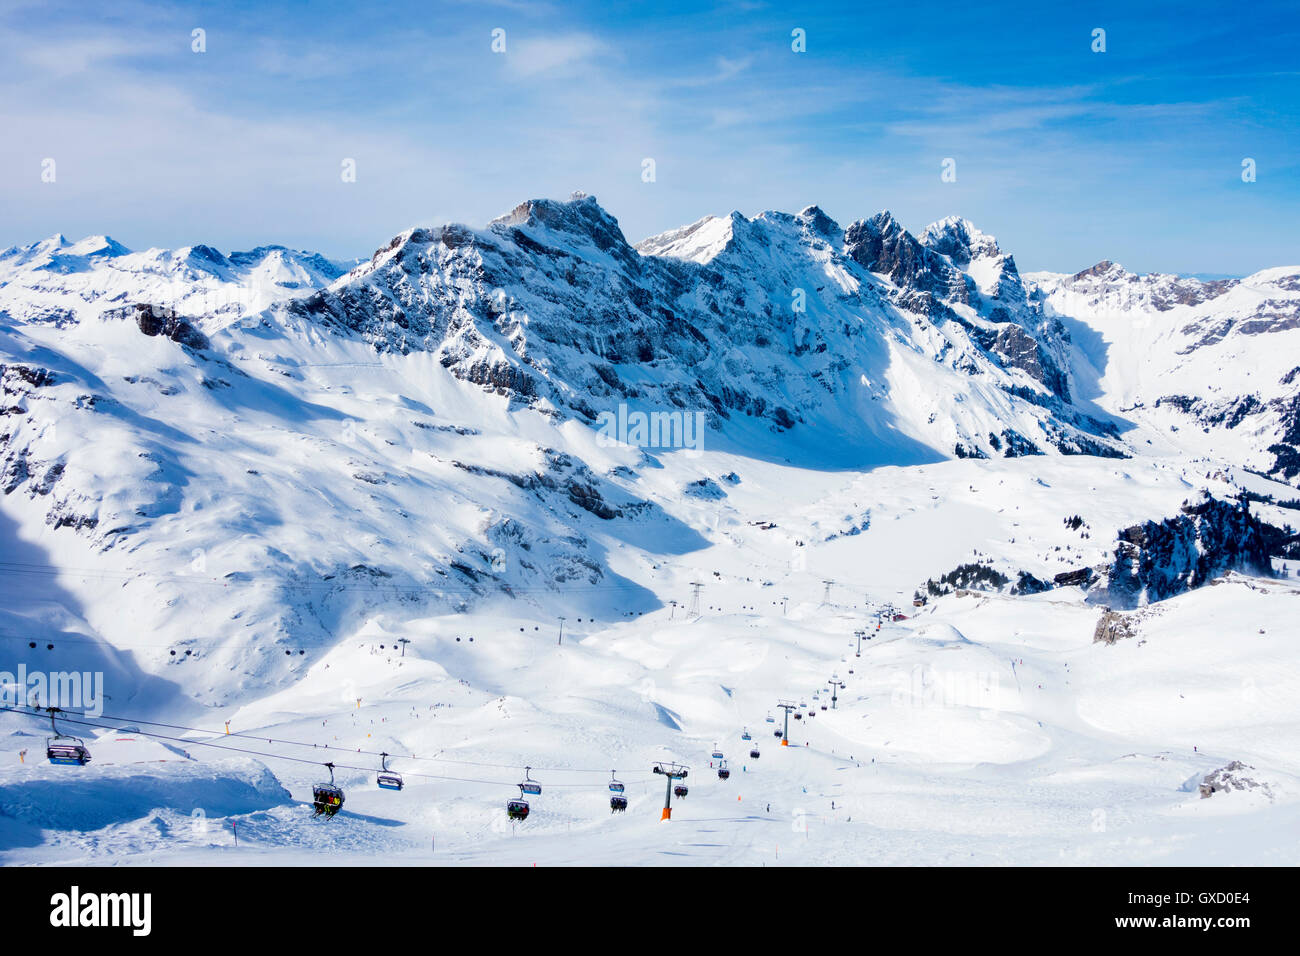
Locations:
(1104, 267)
(580, 218)
(959, 240)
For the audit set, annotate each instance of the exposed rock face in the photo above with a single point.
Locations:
(1232, 777)
(1286, 451)
(1074, 579)
(1114, 626)
(17, 382)
(157, 320)
(882, 245)
(778, 318)
(1156, 560)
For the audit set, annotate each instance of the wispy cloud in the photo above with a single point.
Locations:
(243, 144)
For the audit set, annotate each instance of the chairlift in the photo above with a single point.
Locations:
(776, 733)
(745, 735)
(717, 754)
(771, 719)
(823, 708)
(530, 786)
(387, 779)
(517, 809)
(614, 785)
(798, 716)
(723, 772)
(64, 749)
(617, 804)
(680, 791)
(753, 754)
(327, 798)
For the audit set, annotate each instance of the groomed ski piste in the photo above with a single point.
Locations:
(983, 729)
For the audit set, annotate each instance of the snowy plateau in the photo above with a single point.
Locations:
(265, 510)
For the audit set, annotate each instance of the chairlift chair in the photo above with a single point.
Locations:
(614, 785)
(680, 791)
(387, 779)
(617, 804)
(327, 798)
(745, 735)
(776, 733)
(67, 751)
(753, 754)
(529, 785)
(517, 809)
(64, 749)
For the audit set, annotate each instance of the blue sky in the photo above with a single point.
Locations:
(1066, 155)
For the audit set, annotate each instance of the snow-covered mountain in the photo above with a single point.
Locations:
(231, 483)
(1213, 367)
(59, 282)
(864, 345)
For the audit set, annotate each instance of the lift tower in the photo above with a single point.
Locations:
(673, 772)
(787, 706)
(835, 685)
